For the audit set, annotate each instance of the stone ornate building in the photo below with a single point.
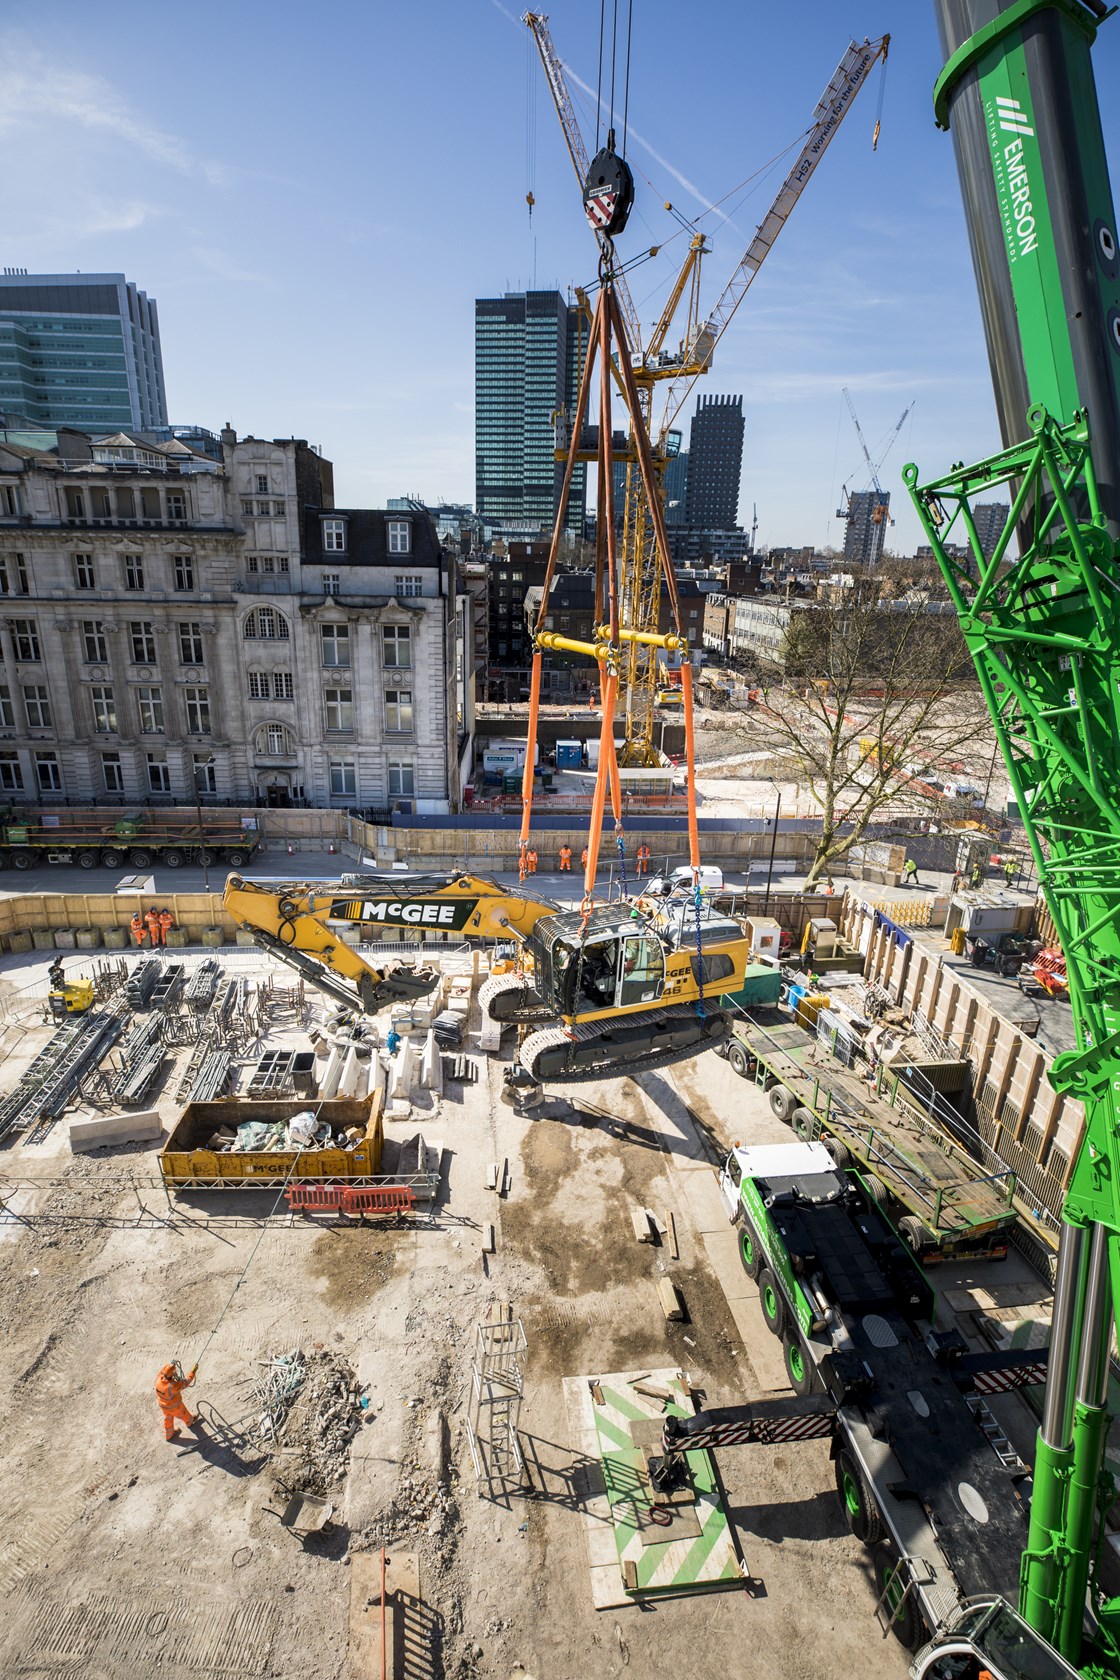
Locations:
(171, 624)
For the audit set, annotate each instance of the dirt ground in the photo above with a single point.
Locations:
(126, 1557)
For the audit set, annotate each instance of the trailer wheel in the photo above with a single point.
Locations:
(841, 1156)
(237, 857)
(749, 1252)
(905, 1618)
(875, 1191)
(918, 1238)
(88, 860)
(204, 858)
(737, 1057)
(860, 1510)
(783, 1102)
(804, 1124)
(773, 1307)
(140, 859)
(21, 858)
(171, 859)
(112, 858)
(798, 1369)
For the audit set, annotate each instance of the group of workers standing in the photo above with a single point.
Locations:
(532, 859)
(153, 924)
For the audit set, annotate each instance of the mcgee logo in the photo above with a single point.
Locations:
(404, 912)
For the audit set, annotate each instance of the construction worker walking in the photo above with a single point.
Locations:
(137, 925)
(583, 857)
(643, 859)
(910, 873)
(169, 1392)
(566, 859)
(1010, 869)
(166, 922)
(152, 919)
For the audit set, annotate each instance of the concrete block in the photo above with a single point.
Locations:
(88, 939)
(211, 936)
(348, 1078)
(65, 939)
(97, 1131)
(400, 1079)
(114, 939)
(19, 942)
(429, 1063)
(376, 1073)
(328, 1085)
(489, 1239)
(43, 939)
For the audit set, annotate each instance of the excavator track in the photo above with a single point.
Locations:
(509, 999)
(619, 1048)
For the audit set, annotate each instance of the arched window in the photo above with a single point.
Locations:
(266, 625)
(274, 740)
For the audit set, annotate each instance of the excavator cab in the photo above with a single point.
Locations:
(613, 962)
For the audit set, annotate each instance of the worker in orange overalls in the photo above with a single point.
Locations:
(152, 919)
(643, 859)
(166, 921)
(583, 857)
(137, 925)
(169, 1392)
(531, 861)
(566, 858)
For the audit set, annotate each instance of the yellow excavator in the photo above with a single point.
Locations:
(609, 992)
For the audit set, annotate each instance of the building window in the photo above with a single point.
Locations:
(159, 776)
(84, 576)
(205, 774)
(340, 708)
(278, 510)
(133, 572)
(104, 711)
(176, 504)
(344, 779)
(19, 570)
(398, 711)
(275, 740)
(7, 710)
(143, 639)
(264, 509)
(406, 584)
(247, 507)
(262, 484)
(267, 563)
(198, 711)
(95, 642)
(75, 505)
(336, 646)
(334, 536)
(37, 706)
(48, 773)
(25, 640)
(190, 643)
(402, 780)
(332, 583)
(9, 501)
(283, 686)
(396, 644)
(111, 773)
(11, 776)
(184, 571)
(259, 686)
(266, 625)
(150, 703)
(400, 536)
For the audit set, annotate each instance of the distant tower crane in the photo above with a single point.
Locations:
(880, 513)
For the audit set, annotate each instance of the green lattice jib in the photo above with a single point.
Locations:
(1044, 632)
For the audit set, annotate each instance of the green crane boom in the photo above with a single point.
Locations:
(1041, 618)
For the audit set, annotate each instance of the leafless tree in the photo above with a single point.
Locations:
(875, 697)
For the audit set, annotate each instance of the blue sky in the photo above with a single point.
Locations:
(315, 196)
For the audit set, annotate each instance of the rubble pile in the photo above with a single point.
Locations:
(311, 1407)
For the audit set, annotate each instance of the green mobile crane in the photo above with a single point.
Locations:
(1041, 617)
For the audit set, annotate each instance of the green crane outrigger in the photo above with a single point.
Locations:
(1041, 617)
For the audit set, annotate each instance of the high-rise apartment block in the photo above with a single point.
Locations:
(868, 515)
(990, 519)
(715, 463)
(529, 353)
(80, 350)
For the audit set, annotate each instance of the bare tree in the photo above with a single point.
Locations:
(876, 696)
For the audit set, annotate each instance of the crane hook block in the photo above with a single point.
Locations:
(608, 193)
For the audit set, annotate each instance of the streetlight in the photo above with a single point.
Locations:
(200, 765)
(773, 843)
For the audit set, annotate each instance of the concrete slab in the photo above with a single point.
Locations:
(129, 1126)
(707, 1206)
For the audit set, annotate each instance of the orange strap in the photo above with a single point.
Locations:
(690, 764)
(606, 757)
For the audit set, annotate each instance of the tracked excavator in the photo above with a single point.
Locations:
(608, 991)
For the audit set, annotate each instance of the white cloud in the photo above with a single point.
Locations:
(31, 87)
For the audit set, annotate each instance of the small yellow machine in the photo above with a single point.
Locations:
(68, 997)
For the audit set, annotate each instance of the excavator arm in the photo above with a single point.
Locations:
(301, 922)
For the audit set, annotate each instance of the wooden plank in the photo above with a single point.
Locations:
(492, 1176)
(643, 1230)
(670, 1297)
(671, 1228)
(489, 1239)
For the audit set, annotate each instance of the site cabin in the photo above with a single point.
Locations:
(944, 1204)
(138, 838)
(924, 1476)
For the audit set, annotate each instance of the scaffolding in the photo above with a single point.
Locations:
(498, 1386)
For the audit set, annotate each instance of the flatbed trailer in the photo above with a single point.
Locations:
(924, 1476)
(138, 838)
(944, 1204)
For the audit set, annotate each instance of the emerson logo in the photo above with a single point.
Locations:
(415, 912)
(1007, 117)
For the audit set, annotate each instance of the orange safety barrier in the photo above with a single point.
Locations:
(350, 1198)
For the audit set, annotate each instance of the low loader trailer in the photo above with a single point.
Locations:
(926, 1479)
